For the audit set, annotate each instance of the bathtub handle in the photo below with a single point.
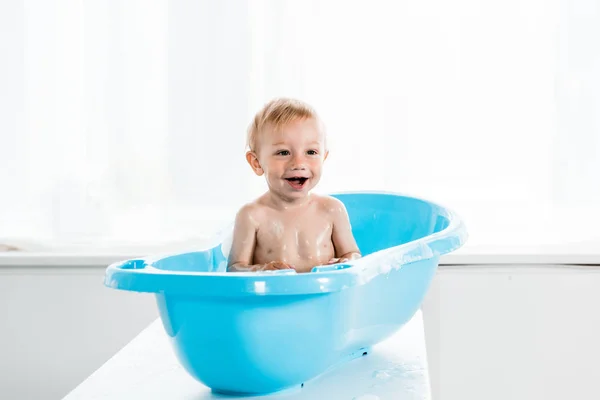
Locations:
(329, 268)
(130, 264)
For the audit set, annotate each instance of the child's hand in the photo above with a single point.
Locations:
(337, 260)
(345, 258)
(275, 265)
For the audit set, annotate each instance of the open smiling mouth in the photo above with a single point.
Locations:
(296, 183)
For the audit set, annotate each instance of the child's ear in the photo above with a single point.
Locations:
(253, 161)
(326, 154)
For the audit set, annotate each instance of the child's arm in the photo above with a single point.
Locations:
(244, 243)
(343, 240)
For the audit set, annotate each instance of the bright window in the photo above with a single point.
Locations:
(123, 123)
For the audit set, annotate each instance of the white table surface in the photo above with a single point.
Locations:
(147, 369)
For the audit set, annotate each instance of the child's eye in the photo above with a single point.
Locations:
(283, 153)
(312, 152)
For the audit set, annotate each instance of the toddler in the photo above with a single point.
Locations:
(289, 227)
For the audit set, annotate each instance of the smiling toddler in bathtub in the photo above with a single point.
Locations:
(289, 227)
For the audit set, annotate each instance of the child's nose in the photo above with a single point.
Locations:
(298, 162)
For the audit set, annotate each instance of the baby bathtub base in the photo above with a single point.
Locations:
(228, 393)
(362, 352)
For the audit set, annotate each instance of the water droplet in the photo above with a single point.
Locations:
(383, 374)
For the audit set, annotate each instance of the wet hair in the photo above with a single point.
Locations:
(277, 113)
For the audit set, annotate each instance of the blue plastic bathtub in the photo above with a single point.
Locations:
(256, 333)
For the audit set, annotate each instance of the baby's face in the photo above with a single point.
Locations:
(292, 157)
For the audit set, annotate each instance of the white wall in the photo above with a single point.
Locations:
(514, 332)
(58, 325)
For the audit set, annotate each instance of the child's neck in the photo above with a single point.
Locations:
(285, 203)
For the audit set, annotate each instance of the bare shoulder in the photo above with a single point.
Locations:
(331, 205)
(250, 213)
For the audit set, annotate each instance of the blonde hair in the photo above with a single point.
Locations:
(277, 113)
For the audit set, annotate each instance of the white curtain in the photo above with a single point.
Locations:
(122, 123)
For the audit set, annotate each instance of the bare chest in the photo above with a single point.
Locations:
(294, 238)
